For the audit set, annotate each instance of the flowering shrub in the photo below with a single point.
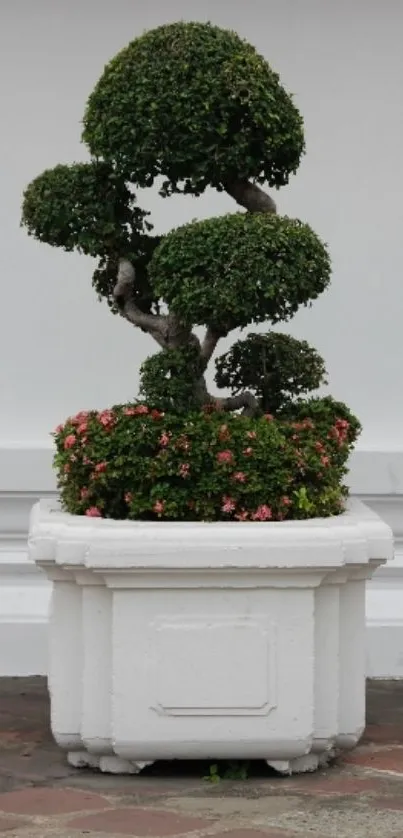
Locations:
(138, 463)
(198, 107)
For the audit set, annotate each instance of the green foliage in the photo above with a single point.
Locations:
(83, 206)
(167, 380)
(234, 770)
(322, 412)
(276, 368)
(137, 463)
(239, 268)
(196, 104)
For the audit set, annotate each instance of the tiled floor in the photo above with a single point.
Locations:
(41, 797)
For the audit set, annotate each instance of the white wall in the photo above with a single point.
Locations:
(60, 349)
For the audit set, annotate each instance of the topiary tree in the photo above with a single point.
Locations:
(275, 367)
(197, 106)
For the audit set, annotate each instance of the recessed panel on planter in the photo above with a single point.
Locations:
(223, 666)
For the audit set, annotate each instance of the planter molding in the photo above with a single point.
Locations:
(193, 641)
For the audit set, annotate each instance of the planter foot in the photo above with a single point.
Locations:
(82, 759)
(300, 765)
(326, 757)
(106, 764)
(116, 765)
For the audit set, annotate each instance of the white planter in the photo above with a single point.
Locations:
(190, 641)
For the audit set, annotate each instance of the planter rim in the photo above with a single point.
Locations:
(356, 537)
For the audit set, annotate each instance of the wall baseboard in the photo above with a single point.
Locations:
(24, 593)
(26, 475)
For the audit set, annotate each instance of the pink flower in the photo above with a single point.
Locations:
(128, 497)
(82, 416)
(82, 429)
(242, 515)
(184, 470)
(93, 512)
(251, 434)
(100, 467)
(268, 417)
(240, 476)
(87, 461)
(286, 501)
(164, 439)
(59, 429)
(263, 513)
(84, 493)
(228, 505)
(70, 441)
(339, 431)
(319, 446)
(225, 456)
(157, 414)
(324, 460)
(107, 419)
(248, 451)
(306, 424)
(159, 507)
(138, 410)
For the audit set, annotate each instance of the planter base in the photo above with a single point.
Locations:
(106, 765)
(207, 641)
(115, 765)
(301, 765)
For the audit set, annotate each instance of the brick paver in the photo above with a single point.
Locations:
(42, 801)
(333, 784)
(254, 833)
(379, 759)
(7, 824)
(140, 822)
(41, 796)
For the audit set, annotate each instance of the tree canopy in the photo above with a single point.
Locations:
(198, 106)
(239, 268)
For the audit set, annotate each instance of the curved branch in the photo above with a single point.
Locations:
(209, 343)
(166, 329)
(245, 400)
(154, 324)
(250, 195)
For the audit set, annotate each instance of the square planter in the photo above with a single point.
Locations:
(193, 640)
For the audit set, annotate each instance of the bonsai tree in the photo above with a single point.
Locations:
(196, 106)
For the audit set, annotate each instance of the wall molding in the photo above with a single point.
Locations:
(26, 474)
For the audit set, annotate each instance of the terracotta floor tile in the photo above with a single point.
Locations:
(139, 822)
(7, 824)
(41, 801)
(381, 759)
